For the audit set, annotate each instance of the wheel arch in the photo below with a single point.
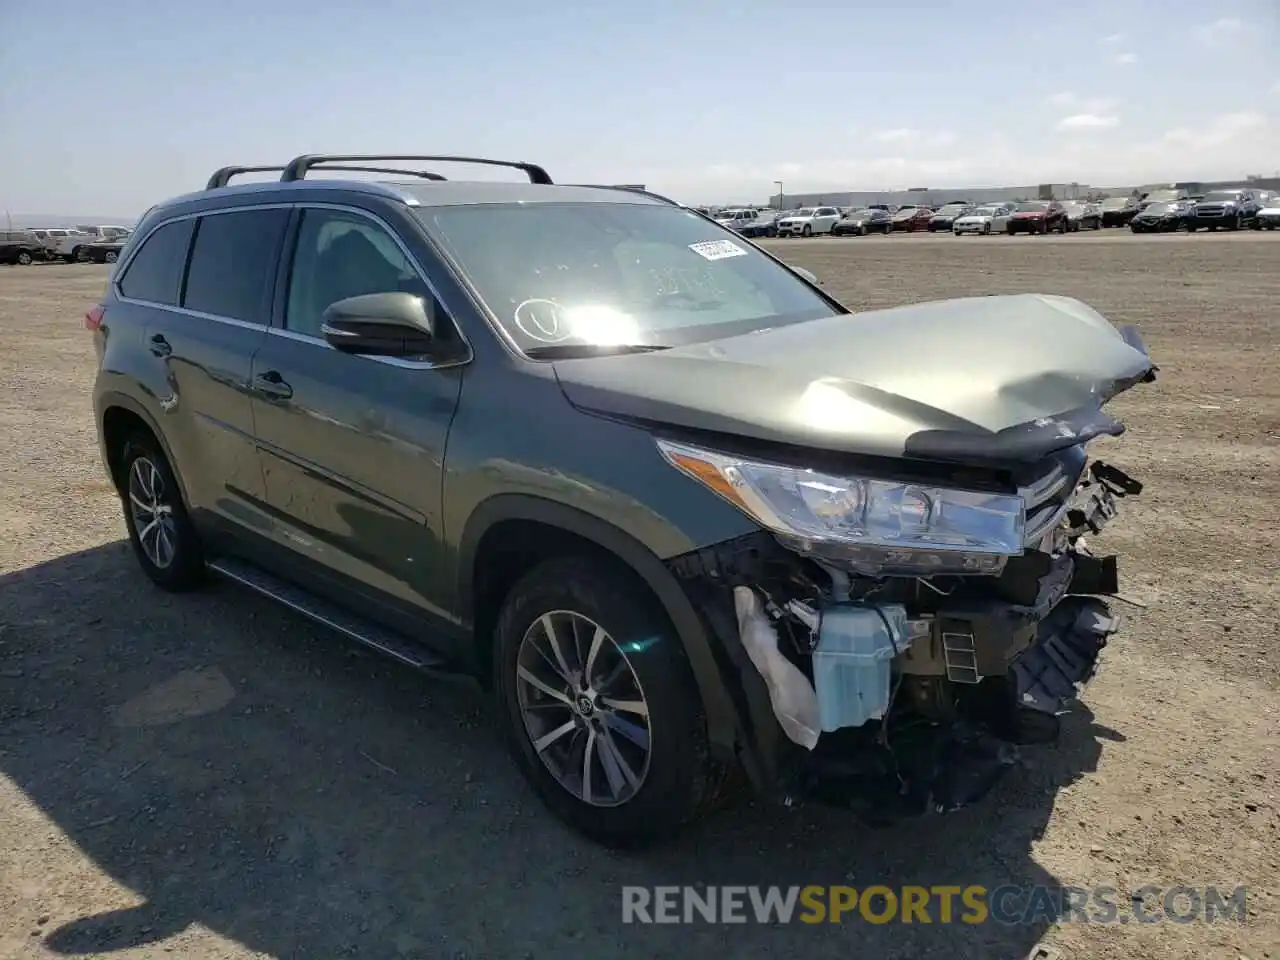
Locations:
(483, 578)
(118, 416)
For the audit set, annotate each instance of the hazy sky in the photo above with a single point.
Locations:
(108, 106)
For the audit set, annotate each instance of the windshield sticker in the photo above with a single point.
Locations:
(539, 319)
(717, 249)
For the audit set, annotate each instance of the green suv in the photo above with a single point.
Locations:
(689, 519)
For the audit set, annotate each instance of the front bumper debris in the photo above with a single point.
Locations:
(1065, 654)
(990, 663)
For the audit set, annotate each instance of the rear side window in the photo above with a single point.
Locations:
(155, 272)
(232, 261)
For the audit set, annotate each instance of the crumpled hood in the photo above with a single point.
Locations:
(910, 381)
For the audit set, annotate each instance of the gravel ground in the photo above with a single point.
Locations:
(210, 777)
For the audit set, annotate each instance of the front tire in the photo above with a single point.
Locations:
(160, 530)
(600, 707)
(807, 231)
(24, 258)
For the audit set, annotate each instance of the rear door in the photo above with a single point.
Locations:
(208, 312)
(352, 446)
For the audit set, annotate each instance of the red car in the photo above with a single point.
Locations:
(1039, 216)
(911, 219)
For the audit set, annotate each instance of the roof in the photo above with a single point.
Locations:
(430, 193)
(454, 192)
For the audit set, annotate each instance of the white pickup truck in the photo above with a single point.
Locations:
(61, 242)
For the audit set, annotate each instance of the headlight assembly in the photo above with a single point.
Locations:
(875, 526)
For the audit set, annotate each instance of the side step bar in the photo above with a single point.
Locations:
(350, 625)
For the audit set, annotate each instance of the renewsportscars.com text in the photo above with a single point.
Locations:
(973, 904)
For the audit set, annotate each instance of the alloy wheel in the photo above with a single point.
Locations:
(152, 515)
(583, 708)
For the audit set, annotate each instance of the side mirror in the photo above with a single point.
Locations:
(379, 324)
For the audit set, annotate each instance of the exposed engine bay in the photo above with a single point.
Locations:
(894, 692)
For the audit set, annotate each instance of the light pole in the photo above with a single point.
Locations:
(779, 184)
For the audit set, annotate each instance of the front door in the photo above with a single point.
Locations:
(352, 447)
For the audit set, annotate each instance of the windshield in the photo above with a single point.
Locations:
(1218, 196)
(804, 212)
(858, 214)
(613, 274)
(1033, 207)
(983, 212)
(1159, 208)
(1114, 203)
(951, 209)
(1161, 196)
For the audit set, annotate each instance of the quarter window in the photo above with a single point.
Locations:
(155, 272)
(232, 263)
(340, 255)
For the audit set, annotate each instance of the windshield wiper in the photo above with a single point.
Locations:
(574, 351)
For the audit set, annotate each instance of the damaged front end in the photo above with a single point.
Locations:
(892, 642)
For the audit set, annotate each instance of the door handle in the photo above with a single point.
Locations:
(273, 385)
(160, 346)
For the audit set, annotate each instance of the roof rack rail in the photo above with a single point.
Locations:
(298, 166)
(640, 190)
(223, 176)
(651, 195)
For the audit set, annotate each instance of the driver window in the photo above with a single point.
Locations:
(340, 255)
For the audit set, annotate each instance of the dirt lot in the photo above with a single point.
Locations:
(210, 777)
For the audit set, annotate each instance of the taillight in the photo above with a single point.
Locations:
(93, 318)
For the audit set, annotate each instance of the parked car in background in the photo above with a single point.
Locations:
(764, 225)
(104, 231)
(101, 251)
(808, 222)
(1170, 195)
(987, 219)
(1268, 217)
(1162, 217)
(1039, 216)
(1118, 211)
(19, 247)
(736, 217)
(1082, 216)
(947, 214)
(61, 243)
(1231, 209)
(861, 222)
(912, 219)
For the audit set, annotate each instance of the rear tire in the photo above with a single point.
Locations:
(662, 789)
(161, 533)
(110, 257)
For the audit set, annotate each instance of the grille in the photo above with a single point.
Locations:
(1049, 495)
